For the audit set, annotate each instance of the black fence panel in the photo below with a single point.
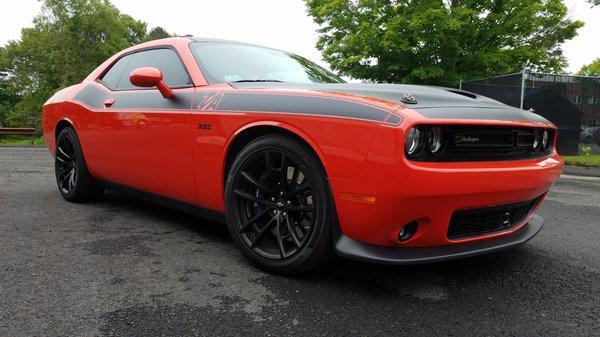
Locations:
(506, 89)
(572, 103)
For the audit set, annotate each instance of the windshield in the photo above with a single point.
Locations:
(230, 62)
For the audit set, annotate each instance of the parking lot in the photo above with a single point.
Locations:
(123, 267)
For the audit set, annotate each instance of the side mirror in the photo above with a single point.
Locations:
(150, 77)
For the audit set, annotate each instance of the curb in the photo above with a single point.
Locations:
(22, 146)
(582, 171)
(568, 170)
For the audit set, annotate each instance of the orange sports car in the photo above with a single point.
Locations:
(298, 163)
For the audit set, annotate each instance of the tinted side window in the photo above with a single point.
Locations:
(112, 76)
(164, 59)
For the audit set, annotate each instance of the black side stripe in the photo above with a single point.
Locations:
(151, 100)
(94, 97)
(91, 96)
(282, 103)
(393, 120)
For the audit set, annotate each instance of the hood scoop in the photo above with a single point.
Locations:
(409, 98)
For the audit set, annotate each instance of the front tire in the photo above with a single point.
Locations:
(72, 176)
(278, 206)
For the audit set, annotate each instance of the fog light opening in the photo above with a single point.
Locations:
(407, 232)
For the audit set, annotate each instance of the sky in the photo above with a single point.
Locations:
(281, 24)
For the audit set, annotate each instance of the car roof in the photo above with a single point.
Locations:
(213, 40)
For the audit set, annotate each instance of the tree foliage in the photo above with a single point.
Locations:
(69, 39)
(8, 91)
(157, 33)
(592, 69)
(441, 42)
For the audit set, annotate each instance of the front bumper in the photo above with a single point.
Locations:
(393, 255)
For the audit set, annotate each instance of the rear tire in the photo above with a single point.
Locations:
(72, 176)
(278, 206)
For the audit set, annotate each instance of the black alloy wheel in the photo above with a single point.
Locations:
(278, 206)
(66, 165)
(74, 181)
(275, 203)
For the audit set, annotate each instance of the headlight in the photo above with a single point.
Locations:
(414, 141)
(537, 140)
(545, 140)
(435, 140)
(421, 138)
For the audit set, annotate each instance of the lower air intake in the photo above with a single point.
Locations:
(479, 221)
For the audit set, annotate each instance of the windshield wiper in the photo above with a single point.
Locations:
(242, 81)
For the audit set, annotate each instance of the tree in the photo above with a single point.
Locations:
(8, 91)
(157, 33)
(69, 39)
(594, 2)
(440, 42)
(592, 69)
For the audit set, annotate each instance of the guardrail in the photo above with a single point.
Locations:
(18, 132)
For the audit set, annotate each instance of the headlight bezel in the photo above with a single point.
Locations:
(414, 144)
(546, 140)
(424, 140)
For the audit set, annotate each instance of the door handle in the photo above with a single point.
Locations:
(109, 102)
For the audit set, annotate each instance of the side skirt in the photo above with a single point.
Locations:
(167, 202)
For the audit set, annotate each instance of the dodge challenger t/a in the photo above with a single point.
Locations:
(298, 163)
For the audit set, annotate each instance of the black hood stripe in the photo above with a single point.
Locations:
(431, 102)
(500, 114)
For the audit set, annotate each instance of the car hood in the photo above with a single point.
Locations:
(431, 102)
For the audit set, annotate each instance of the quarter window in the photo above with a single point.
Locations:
(113, 75)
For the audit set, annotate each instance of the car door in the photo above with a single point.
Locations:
(144, 139)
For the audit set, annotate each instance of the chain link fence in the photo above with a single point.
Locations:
(572, 103)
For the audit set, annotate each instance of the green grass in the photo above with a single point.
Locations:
(590, 160)
(20, 140)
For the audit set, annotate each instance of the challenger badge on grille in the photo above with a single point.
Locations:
(461, 139)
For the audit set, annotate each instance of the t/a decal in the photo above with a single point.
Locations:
(211, 101)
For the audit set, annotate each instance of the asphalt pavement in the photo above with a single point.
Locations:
(124, 267)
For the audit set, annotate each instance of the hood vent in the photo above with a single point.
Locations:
(463, 93)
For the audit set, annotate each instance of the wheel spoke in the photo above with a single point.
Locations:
(72, 180)
(63, 152)
(300, 189)
(65, 179)
(64, 174)
(253, 220)
(268, 161)
(251, 198)
(262, 232)
(62, 160)
(280, 237)
(61, 182)
(283, 169)
(255, 183)
(292, 231)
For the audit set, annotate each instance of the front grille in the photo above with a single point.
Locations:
(488, 143)
(479, 221)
